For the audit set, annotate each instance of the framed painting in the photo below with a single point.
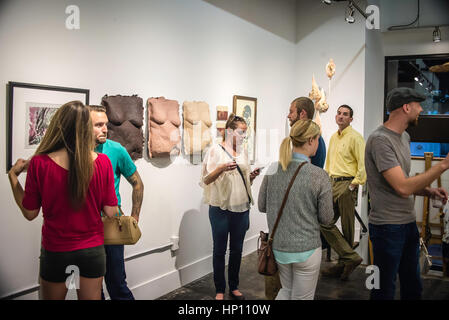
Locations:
(30, 110)
(246, 107)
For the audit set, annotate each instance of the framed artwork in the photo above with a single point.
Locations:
(246, 107)
(30, 109)
(222, 117)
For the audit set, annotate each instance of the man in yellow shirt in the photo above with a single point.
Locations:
(345, 164)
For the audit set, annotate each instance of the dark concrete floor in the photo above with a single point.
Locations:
(252, 285)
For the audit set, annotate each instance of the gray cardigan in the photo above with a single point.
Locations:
(309, 204)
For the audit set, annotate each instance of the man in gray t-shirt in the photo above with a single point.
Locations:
(392, 219)
(388, 149)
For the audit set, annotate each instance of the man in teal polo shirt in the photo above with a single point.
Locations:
(122, 164)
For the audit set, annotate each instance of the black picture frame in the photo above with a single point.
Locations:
(18, 100)
(431, 128)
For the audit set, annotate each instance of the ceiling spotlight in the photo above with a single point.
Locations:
(350, 13)
(436, 34)
(327, 1)
(416, 79)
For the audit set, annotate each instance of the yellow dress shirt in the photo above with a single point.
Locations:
(346, 155)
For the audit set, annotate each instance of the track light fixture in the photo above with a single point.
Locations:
(350, 13)
(436, 34)
(350, 9)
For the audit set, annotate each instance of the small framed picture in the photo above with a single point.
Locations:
(246, 107)
(31, 108)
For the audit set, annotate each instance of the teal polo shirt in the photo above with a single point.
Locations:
(122, 163)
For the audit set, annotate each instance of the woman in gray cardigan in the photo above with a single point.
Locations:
(297, 243)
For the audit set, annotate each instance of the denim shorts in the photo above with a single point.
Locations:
(58, 266)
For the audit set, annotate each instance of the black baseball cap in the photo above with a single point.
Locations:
(397, 97)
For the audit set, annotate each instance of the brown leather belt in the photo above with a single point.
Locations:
(336, 179)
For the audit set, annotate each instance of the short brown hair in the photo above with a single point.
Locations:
(351, 112)
(304, 103)
(96, 108)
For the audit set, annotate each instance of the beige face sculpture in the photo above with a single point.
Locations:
(197, 125)
(164, 137)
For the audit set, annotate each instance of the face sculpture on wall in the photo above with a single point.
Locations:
(164, 138)
(197, 125)
(125, 115)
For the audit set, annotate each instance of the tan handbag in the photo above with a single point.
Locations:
(120, 230)
(266, 261)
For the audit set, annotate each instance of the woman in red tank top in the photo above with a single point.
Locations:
(72, 185)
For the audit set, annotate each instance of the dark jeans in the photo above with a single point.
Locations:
(235, 224)
(396, 250)
(115, 276)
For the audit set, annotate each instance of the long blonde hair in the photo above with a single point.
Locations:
(71, 128)
(300, 133)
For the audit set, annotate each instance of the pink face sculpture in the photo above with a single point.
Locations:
(164, 138)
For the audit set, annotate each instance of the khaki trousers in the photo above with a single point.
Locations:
(344, 207)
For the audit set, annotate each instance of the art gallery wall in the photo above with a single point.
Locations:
(183, 50)
(186, 50)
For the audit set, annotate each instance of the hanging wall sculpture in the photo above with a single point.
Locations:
(197, 125)
(330, 71)
(164, 137)
(125, 115)
(319, 98)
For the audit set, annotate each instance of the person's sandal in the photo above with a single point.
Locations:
(222, 296)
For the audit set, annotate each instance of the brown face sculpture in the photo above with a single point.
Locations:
(125, 115)
(164, 137)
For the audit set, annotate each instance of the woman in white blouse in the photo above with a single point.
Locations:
(226, 179)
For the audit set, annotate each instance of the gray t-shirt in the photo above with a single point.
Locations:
(386, 149)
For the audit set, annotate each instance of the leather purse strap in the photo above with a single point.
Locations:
(285, 201)
(240, 171)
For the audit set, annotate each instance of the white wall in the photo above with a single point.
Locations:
(414, 41)
(324, 34)
(403, 12)
(183, 50)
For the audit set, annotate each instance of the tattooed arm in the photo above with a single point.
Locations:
(137, 194)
